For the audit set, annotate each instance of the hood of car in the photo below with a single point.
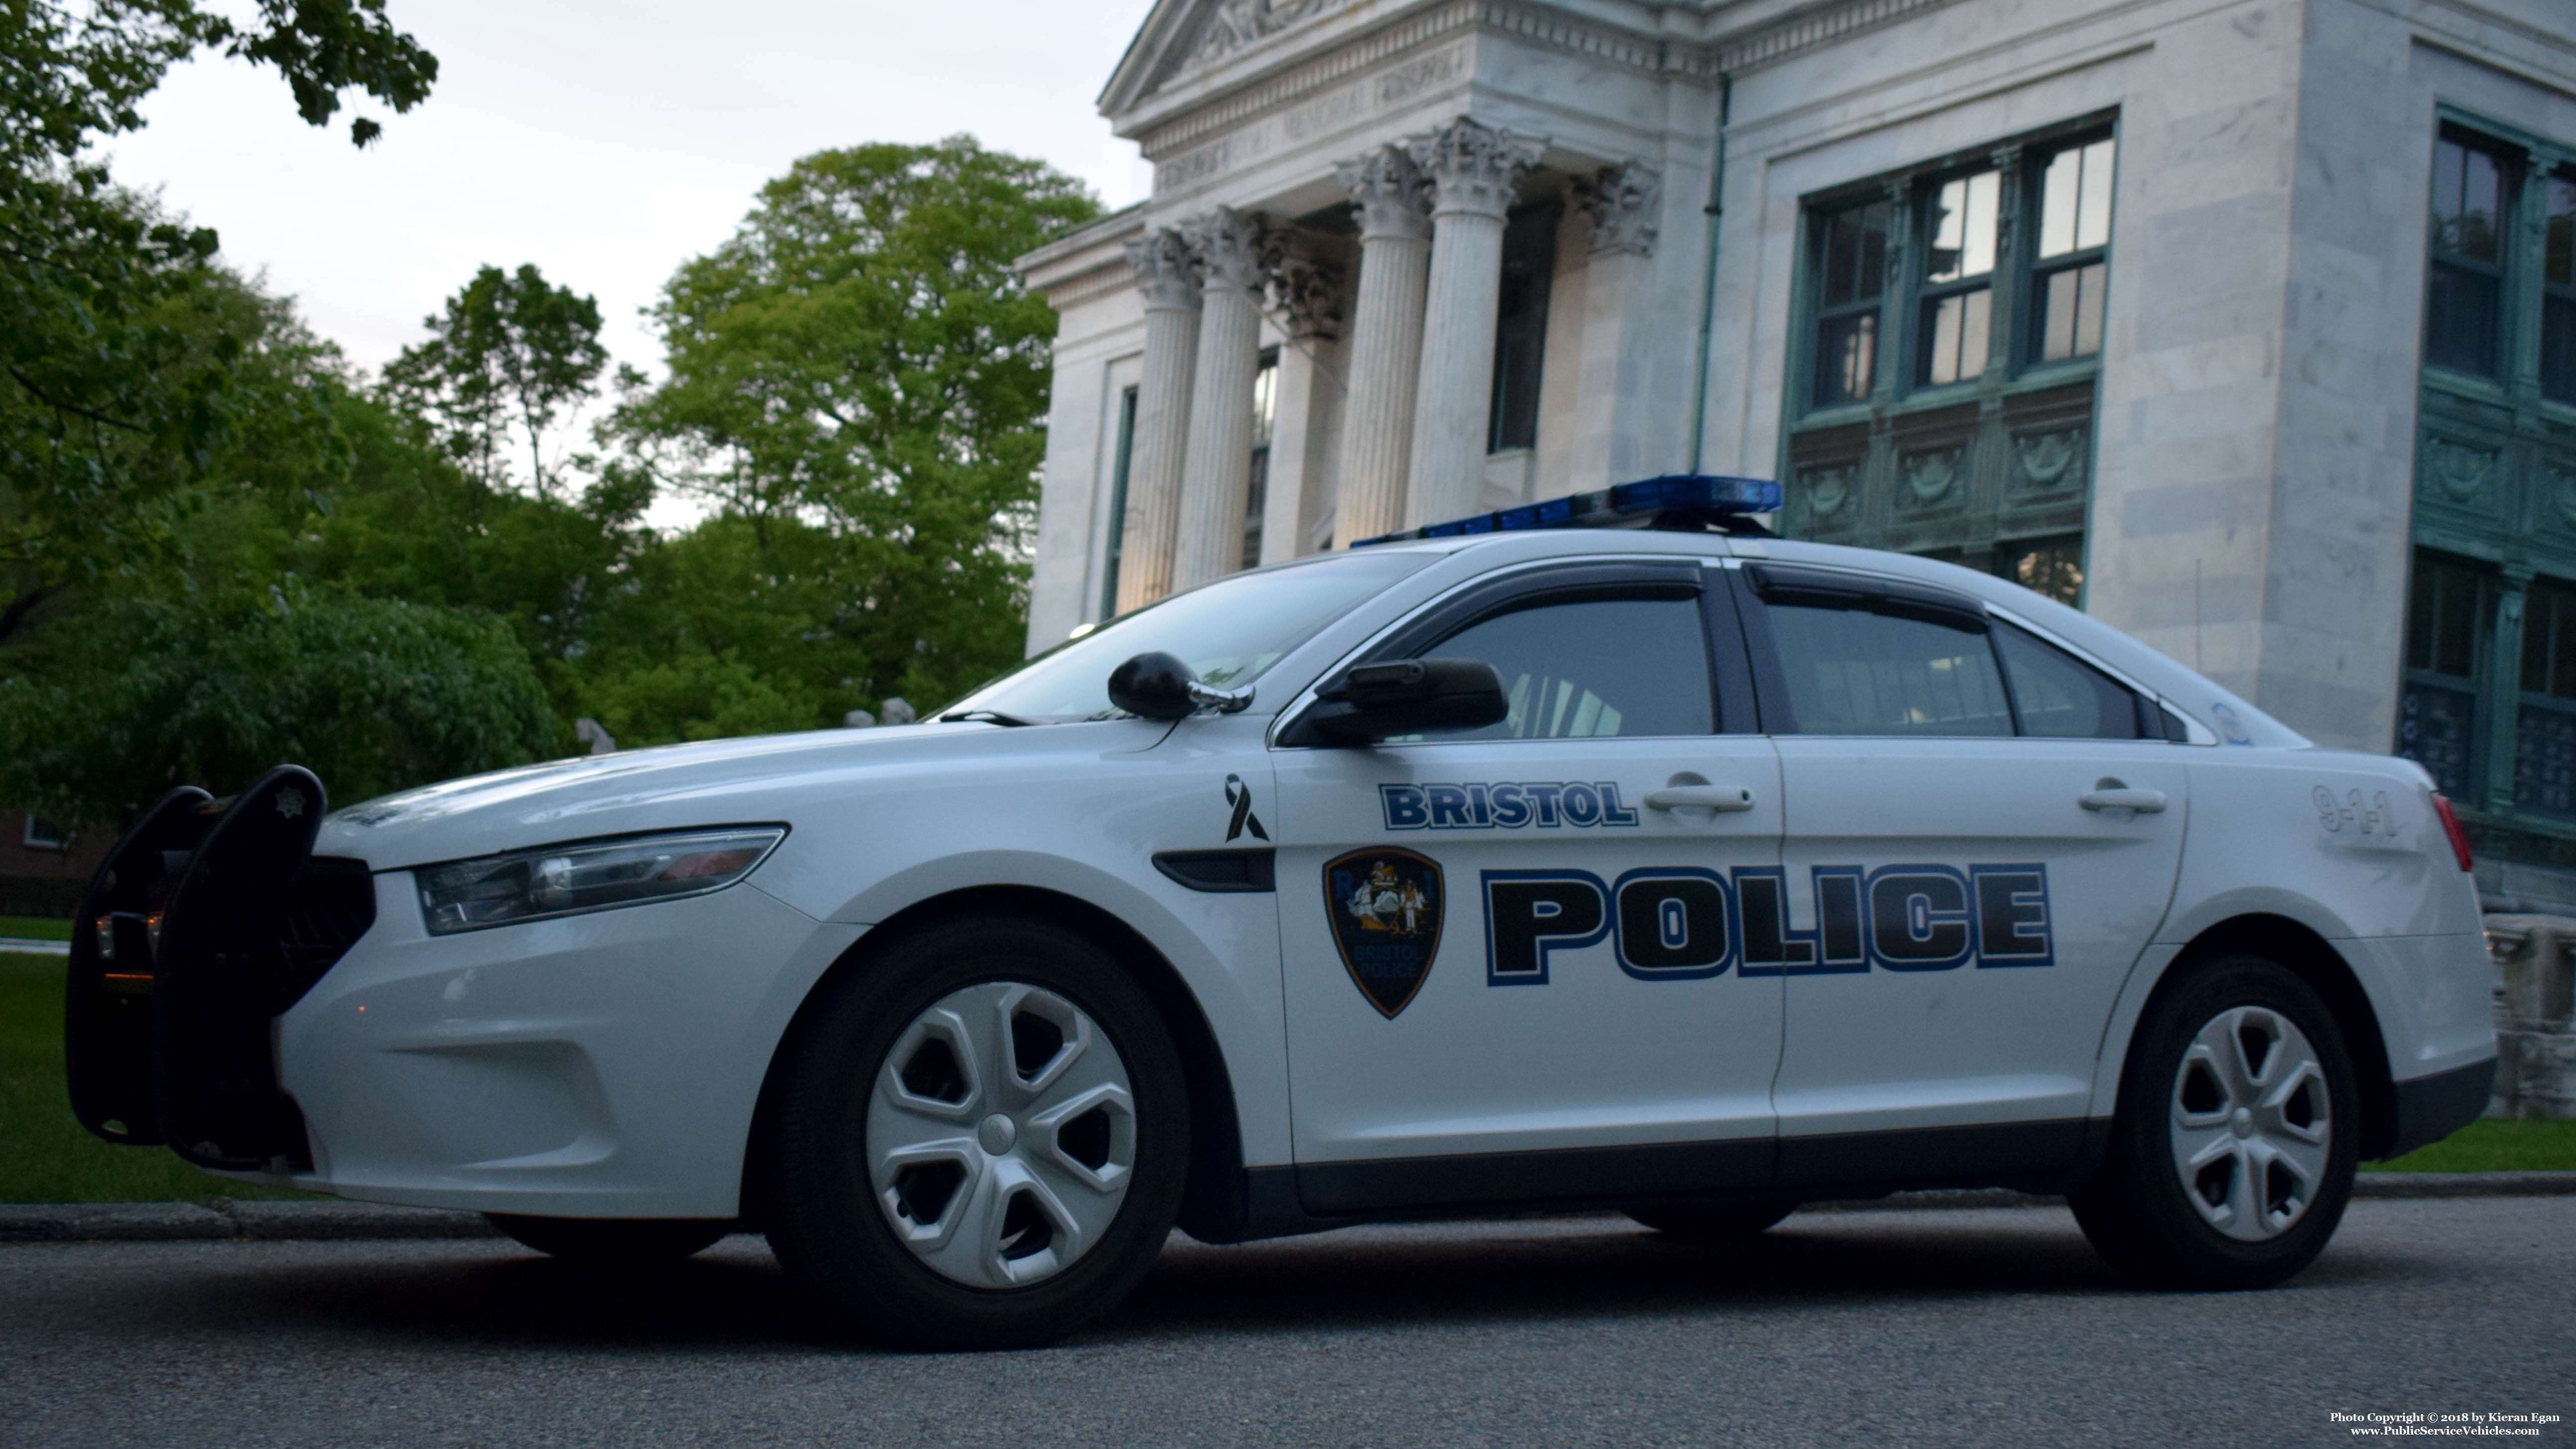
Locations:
(673, 787)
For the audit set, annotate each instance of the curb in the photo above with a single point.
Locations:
(230, 1218)
(253, 1220)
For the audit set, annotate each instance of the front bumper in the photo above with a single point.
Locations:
(268, 1013)
(601, 1065)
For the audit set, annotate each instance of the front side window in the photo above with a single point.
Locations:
(2462, 312)
(1958, 272)
(1593, 669)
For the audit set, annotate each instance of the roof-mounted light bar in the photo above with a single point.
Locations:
(1696, 501)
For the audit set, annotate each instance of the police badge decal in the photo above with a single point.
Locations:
(1386, 906)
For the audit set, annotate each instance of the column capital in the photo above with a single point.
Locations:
(1167, 270)
(1309, 289)
(1474, 168)
(1626, 203)
(1237, 250)
(1389, 194)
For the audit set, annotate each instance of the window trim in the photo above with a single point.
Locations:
(28, 837)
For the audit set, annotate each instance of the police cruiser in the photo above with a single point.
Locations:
(1523, 860)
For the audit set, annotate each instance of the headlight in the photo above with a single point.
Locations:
(564, 880)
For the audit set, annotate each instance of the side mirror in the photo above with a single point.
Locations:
(1156, 685)
(1403, 697)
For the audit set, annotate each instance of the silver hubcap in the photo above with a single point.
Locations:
(1001, 1135)
(2252, 1123)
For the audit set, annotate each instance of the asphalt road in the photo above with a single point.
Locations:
(1965, 1327)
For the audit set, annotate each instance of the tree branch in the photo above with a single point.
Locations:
(102, 419)
(15, 616)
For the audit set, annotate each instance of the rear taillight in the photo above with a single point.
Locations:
(2451, 828)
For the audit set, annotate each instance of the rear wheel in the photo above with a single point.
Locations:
(978, 1140)
(2232, 1156)
(1730, 1220)
(613, 1240)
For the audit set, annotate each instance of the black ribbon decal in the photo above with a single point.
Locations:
(1239, 795)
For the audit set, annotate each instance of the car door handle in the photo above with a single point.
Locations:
(1710, 797)
(2145, 802)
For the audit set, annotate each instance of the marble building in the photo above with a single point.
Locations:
(2248, 325)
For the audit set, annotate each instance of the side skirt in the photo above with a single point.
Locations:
(2031, 1156)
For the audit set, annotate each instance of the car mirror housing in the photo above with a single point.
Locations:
(1154, 685)
(1371, 702)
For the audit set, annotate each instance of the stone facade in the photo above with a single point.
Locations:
(2217, 452)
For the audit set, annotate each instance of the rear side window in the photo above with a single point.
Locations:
(2062, 697)
(1853, 672)
(1592, 668)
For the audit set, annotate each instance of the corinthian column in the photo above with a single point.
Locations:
(1474, 170)
(1387, 191)
(1168, 275)
(1235, 250)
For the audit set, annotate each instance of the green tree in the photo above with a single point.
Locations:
(116, 393)
(860, 380)
(139, 694)
(509, 350)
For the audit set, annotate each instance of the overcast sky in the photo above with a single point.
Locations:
(608, 142)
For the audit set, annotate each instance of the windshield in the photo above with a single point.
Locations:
(1229, 631)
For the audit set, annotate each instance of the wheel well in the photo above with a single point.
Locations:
(1213, 1201)
(2317, 962)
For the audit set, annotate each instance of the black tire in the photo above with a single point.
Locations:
(613, 1240)
(2141, 1213)
(825, 1221)
(1725, 1220)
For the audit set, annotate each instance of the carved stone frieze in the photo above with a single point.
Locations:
(1929, 477)
(1826, 489)
(2047, 462)
(1167, 269)
(1474, 168)
(1238, 23)
(1237, 250)
(1626, 203)
(2459, 473)
(1389, 194)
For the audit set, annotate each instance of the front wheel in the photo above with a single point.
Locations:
(979, 1138)
(2233, 1152)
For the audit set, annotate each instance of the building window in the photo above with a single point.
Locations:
(1118, 502)
(1850, 266)
(1981, 278)
(43, 834)
(2050, 566)
(2558, 291)
(2437, 707)
(2463, 305)
(1520, 326)
(1265, 416)
(1958, 273)
(2069, 273)
(2544, 739)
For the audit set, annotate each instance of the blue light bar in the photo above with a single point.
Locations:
(1675, 500)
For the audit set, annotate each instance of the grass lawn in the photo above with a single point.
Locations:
(35, 928)
(44, 1154)
(2495, 1144)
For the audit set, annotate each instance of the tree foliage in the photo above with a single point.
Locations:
(509, 350)
(860, 379)
(118, 389)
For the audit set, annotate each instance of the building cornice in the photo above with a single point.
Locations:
(1169, 120)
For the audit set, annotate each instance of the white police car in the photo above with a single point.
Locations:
(1674, 869)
